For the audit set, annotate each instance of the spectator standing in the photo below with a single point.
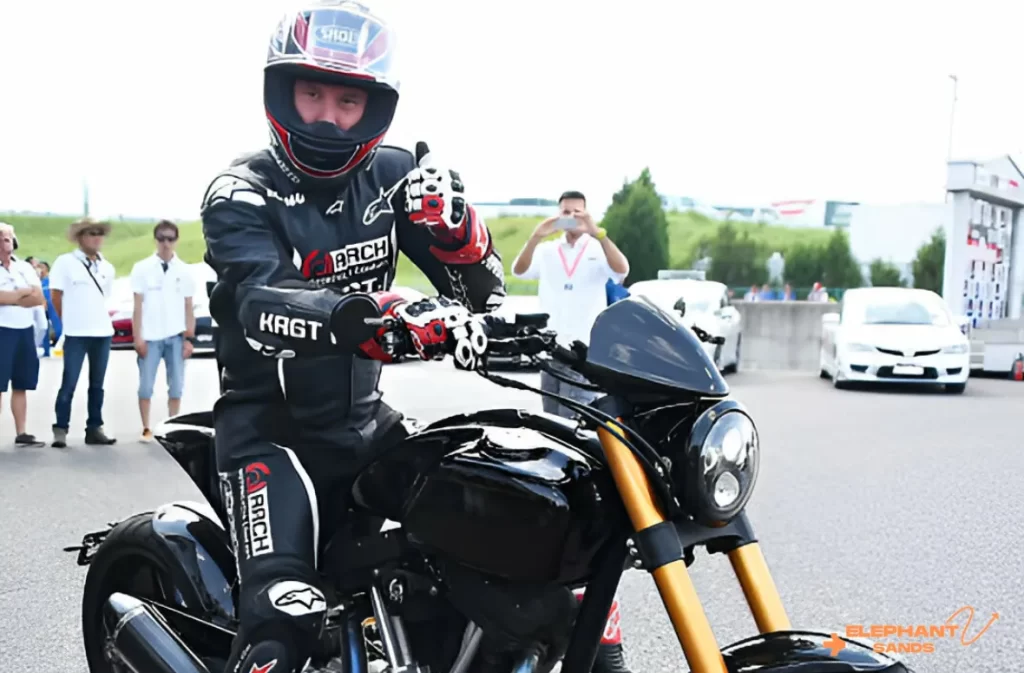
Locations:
(818, 293)
(615, 291)
(573, 272)
(20, 294)
(53, 331)
(163, 322)
(80, 283)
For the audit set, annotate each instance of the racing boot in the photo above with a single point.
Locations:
(267, 656)
(610, 657)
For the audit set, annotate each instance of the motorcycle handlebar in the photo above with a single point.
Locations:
(524, 336)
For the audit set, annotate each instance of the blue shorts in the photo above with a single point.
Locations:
(168, 350)
(19, 361)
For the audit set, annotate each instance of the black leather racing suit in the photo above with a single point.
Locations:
(292, 433)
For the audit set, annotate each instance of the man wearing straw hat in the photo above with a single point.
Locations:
(80, 283)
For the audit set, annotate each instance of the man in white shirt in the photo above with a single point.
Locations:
(80, 283)
(163, 323)
(573, 271)
(20, 294)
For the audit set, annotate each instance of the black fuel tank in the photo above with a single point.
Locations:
(510, 502)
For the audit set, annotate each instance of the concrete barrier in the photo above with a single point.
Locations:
(782, 334)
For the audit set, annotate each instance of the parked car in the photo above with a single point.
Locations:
(704, 303)
(894, 335)
(120, 306)
(206, 326)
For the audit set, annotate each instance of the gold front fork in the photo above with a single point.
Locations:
(674, 584)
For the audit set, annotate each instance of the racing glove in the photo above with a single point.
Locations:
(434, 198)
(431, 328)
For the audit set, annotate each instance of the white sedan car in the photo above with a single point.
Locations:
(707, 306)
(894, 335)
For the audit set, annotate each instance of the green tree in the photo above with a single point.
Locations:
(645, 180)
(885, 274)
(639, 227)
(930, 263)
(804, 265)
(736, 259)
(839, 268)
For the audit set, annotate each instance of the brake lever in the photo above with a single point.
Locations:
(393, 339)
(706, 337)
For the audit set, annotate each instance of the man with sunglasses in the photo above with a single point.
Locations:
(80, 283)
(163, 323)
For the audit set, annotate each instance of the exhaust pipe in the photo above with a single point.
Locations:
(141, 638)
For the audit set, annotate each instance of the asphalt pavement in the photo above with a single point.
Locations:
(873, 507)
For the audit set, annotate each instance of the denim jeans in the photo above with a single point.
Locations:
(76, 350)
(170, 351)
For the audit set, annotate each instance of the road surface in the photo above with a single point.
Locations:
(872, 508)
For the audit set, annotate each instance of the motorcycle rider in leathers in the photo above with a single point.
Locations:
(304, 236)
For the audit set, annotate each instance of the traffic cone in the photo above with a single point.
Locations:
(1018, 368)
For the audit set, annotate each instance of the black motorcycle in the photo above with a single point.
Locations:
(496, 517)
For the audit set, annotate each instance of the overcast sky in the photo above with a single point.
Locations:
(732, 102)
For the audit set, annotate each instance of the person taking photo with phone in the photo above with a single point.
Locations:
(573, 271)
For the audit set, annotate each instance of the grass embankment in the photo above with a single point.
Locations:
(44, 237)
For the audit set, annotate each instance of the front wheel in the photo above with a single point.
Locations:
(956, 388)
(131, 560)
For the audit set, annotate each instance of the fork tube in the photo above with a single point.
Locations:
(759, 588)
(673, 581)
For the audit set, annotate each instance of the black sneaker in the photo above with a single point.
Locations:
(25, 439)
(97, 436)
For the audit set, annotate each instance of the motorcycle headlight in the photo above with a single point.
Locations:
(955, 349)
(721, 464)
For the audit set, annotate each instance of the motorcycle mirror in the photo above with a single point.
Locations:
(680, 306)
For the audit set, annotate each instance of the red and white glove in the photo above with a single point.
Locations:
(434, 198)
(434, 327)
(376, 347)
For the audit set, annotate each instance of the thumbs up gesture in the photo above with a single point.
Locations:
(435, 198)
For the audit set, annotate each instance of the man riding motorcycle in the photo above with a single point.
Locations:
(304, 237)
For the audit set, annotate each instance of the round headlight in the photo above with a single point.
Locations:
(721, 464)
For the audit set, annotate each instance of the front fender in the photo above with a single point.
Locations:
(807, 652)
(203, 550)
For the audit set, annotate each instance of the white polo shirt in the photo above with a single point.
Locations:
(19, 275)
(572, 284)
(83, 306)
(163, 293)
